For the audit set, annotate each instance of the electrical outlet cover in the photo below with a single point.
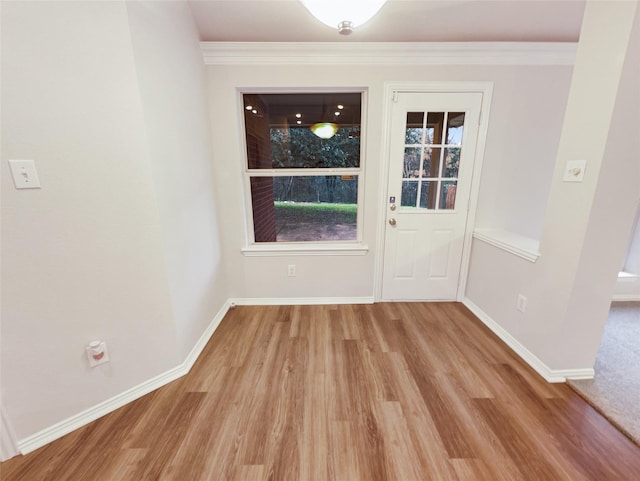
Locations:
(574, 171)
(24, 173)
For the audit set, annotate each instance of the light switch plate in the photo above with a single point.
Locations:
(574, 171)
(25, 175)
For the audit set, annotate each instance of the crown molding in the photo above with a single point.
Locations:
(383, 53)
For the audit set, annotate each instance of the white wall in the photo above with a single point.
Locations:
(586, 225)
(120, 242)
(123, 241)
(526, 115)
(171, 83)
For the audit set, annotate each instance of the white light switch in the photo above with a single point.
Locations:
(574, 171)
(25, 175)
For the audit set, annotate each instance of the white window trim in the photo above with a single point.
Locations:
(267, 249)
(270, 249)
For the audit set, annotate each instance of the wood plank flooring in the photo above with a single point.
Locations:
(391, 391)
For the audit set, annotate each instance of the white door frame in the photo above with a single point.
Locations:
(390, 90)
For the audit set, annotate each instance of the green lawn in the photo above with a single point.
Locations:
(320, 213)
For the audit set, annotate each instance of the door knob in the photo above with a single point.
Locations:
(392, 222)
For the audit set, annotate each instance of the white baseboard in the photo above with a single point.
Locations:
(87, 416)
(8, 445)
(550, 375)
(627, 287)
(577, 374)
(626, 297)
(299, 301)
(83, 418)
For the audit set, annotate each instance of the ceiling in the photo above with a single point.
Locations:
(398, 21)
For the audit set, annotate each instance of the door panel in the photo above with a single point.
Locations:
(432, 145)
(405, 246)
(439, 261)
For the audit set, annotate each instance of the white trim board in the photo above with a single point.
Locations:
(516, 244)
(83, 418)
(626, 297)
(8, 445)
(550, 375)
(47, 435)
(389, 53)
(298, 301)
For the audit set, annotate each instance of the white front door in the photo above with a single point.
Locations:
(432, 146)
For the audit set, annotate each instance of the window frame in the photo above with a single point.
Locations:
(317, 247)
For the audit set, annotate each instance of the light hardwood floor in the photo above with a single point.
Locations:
(391, 391)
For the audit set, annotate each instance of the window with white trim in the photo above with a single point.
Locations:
(303, 166)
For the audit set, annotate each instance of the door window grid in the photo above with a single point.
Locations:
(430, 170)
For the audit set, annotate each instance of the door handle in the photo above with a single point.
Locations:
(392, 222)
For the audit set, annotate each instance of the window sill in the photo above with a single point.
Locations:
(516, 244)
(271, 250)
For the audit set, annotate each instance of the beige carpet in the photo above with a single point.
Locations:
(615, 389)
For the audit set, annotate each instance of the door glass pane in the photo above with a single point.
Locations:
(415, 128)
(411, 162)
(435, 121)
(448, 195)
(451, 162)
(409, 193)
(426, 164)
(428, 194)
(431, 162)
(455, 126)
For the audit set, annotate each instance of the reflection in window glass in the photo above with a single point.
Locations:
(435, 126)
(431, 162)
(409, 196)
(414, 130)
(412, 162)
(428, 195)
(299, 148)
(297, 202)
(432, 159)
(279, 136)
(455, 126)
(448, 195)
(451, 162)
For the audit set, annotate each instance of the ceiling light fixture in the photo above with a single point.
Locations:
(345, 15)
